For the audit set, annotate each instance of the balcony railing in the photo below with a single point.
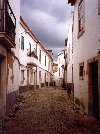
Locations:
(32, 54)
(7, 24)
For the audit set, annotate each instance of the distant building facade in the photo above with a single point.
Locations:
(55, 73)
(61, 63)
(68, 70)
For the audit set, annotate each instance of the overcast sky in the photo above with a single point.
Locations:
(49, 20)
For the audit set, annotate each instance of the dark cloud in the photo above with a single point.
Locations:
(48, 20)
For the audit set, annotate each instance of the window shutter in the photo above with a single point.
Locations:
(98, 6)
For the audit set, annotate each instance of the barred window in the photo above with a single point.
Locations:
(22, 42)
(81, 17)
(45, 60)
(81, 71)
(40, 56)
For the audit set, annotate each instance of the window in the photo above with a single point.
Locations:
(81, 71)
(45, 60)
(22, 42)
(81, 17)
(29, 47)
(22, 76)
(59, 71)
(99, 6)
(40, 56)
(69, 53)
(45, 77)
(40, 75)
(36, 49)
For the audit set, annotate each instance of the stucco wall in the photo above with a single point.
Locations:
(86, 46)
(12, 59)
(60, 62)
(40, 66)
(69, 51)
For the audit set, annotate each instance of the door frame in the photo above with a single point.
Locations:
(90, 82)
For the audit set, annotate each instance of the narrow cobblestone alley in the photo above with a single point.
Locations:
(45, 111)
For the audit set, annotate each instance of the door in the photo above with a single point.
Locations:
(34, 81)
(45, 79)
(93, 89)
(0, 76)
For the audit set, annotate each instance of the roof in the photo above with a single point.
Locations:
(30, 32)
(72, 2)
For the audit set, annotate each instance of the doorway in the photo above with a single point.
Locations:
(34, 81)
(0, 76)
(28, 79)
(93, 89)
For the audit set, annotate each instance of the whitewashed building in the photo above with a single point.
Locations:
(35, 61)
(9, 53)
(69, 57)
(60, 72)
(55, 73)
(86, 55)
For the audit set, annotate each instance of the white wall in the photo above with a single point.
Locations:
(13, 63)
(40, 65)
(60, 61)
(86, 46)
(69, 51)
(10, 65)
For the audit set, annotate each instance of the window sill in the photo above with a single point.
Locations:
(80, 33)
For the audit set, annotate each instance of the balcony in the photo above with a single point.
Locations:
(7, 25)
(32, 54)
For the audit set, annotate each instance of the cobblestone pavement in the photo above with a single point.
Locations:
(46, 111)
(1, 121)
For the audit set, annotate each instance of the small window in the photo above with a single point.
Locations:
(29, 47)
(36, 49)
(59, 71)
(22, 42)
(40, 56)
(40, 75)
(22, 75)
(81, 17)
(81, 71)
(45, 60)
